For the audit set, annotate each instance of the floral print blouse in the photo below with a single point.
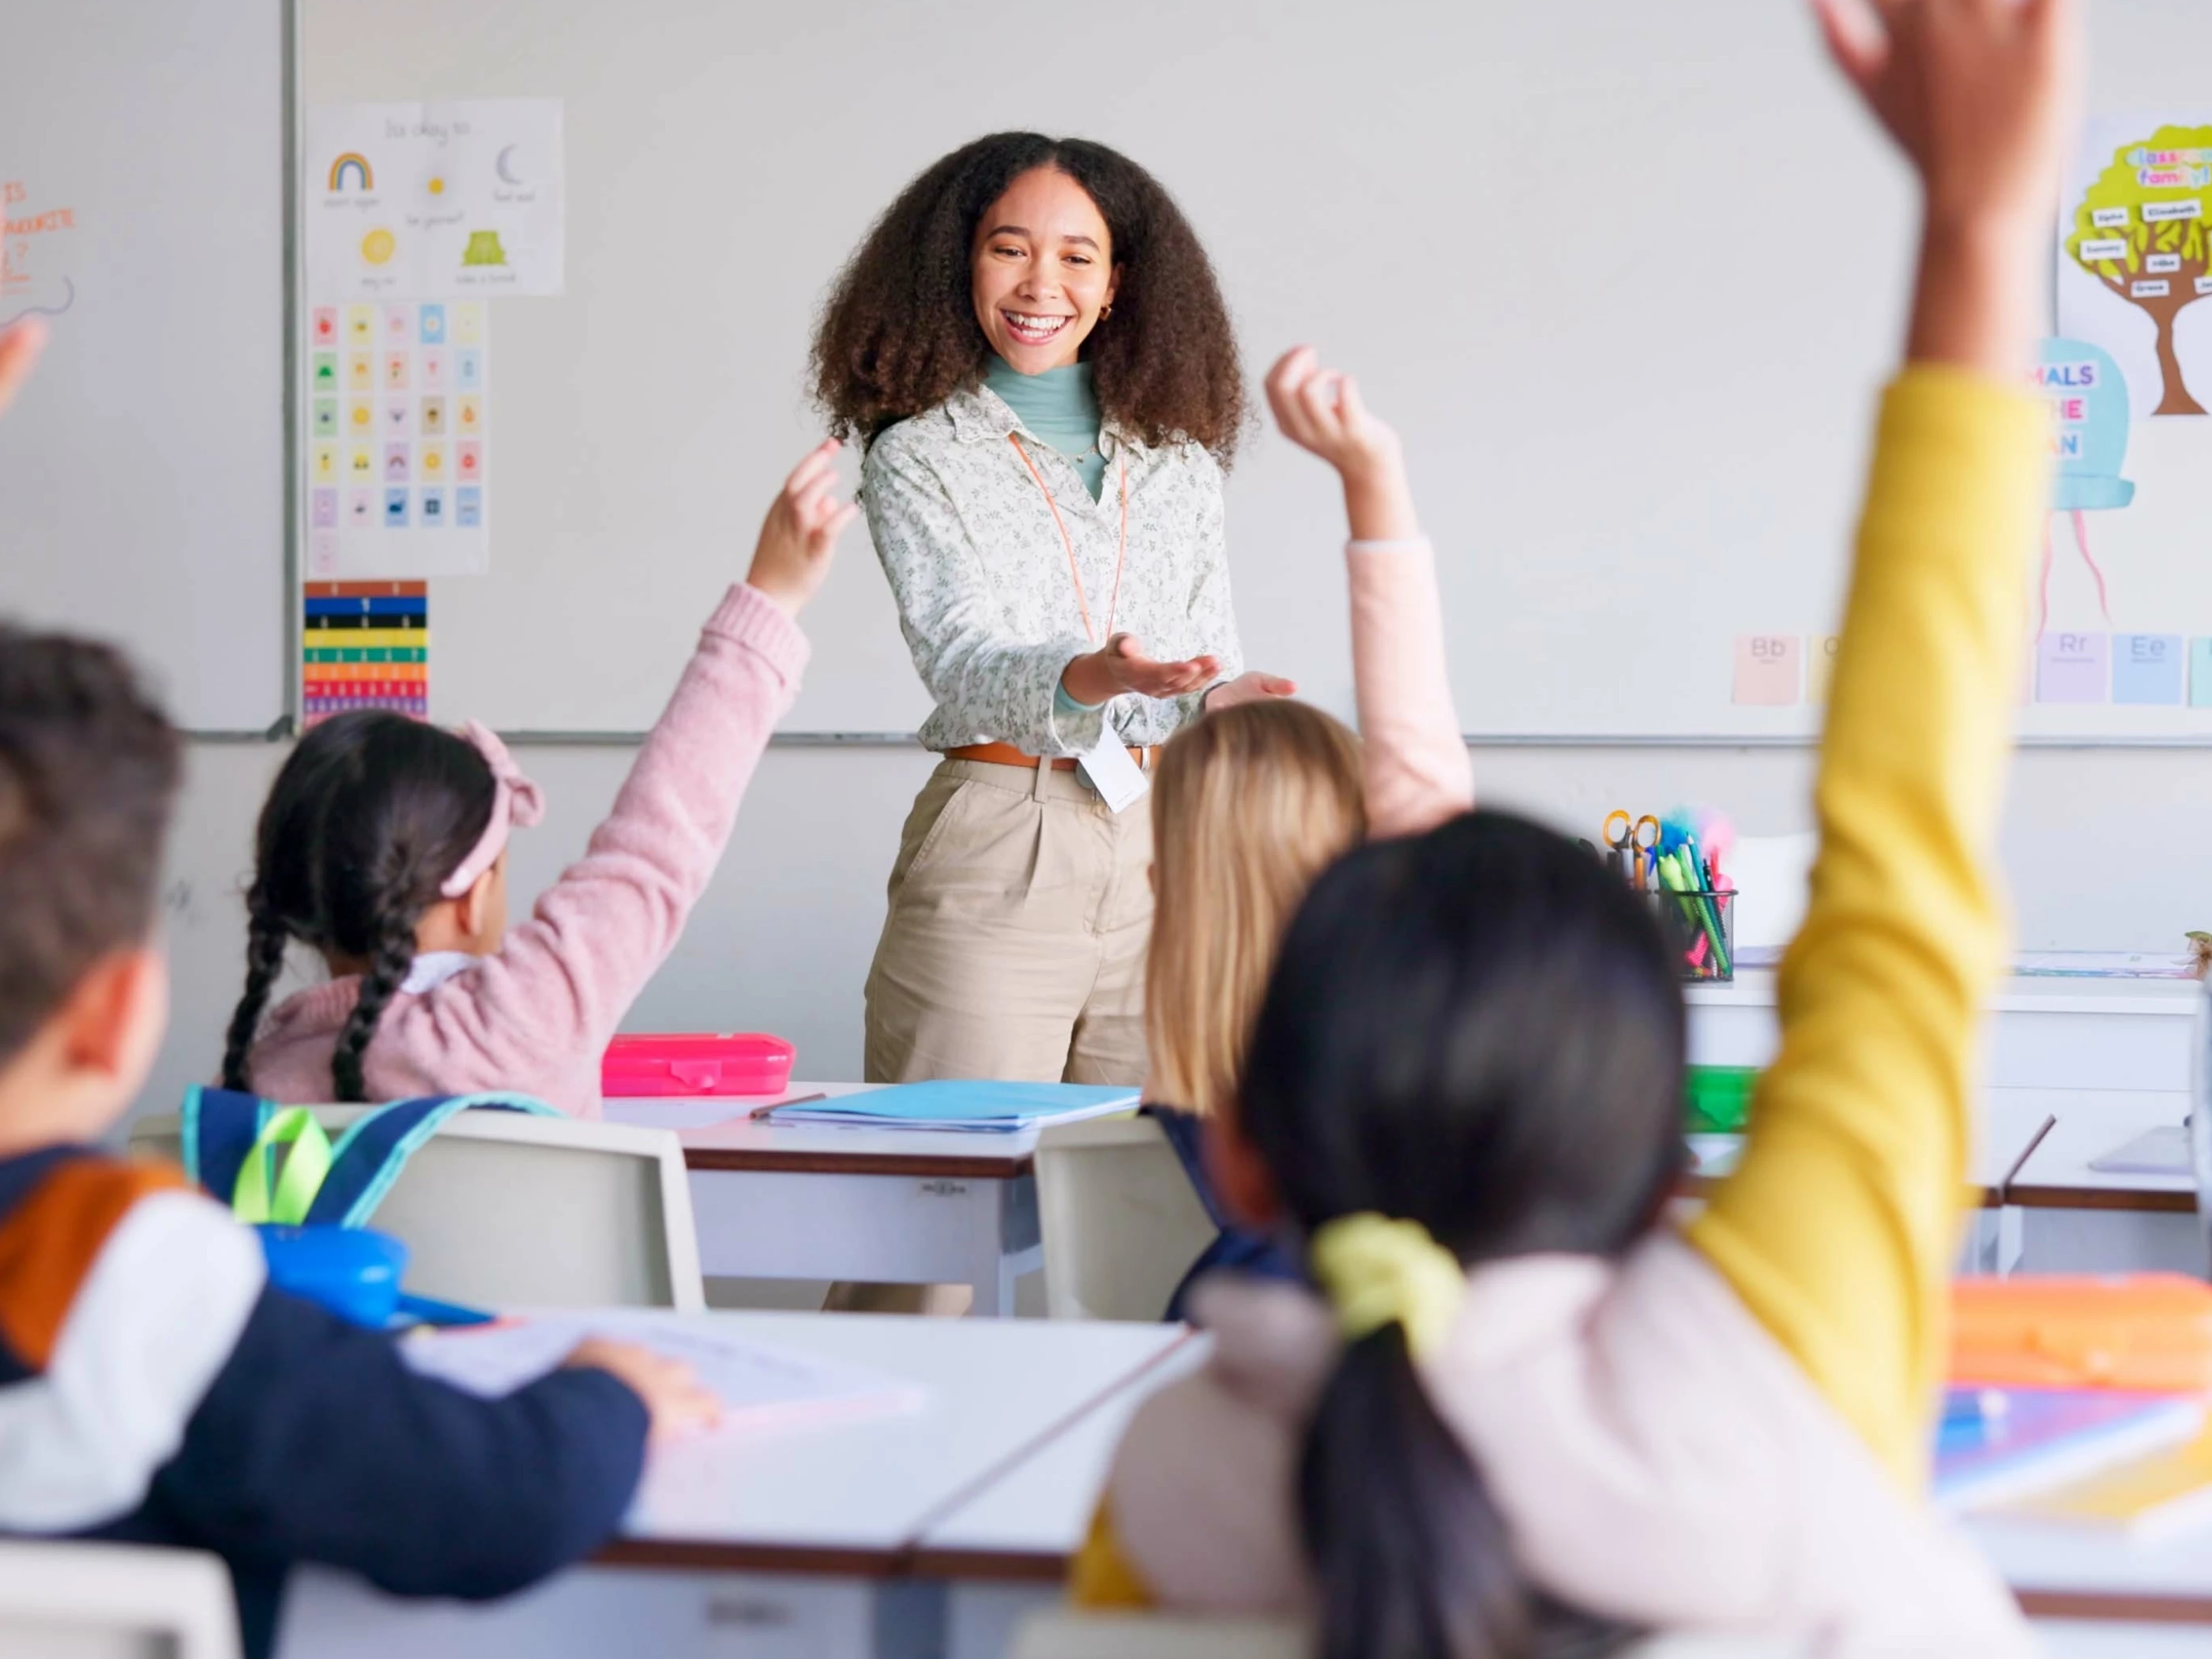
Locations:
(981, 573)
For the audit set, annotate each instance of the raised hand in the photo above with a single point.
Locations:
(20, 346)
(675, 1401)
(1120, 665)
(801, 532)
(1982, 95)
(1321, 410)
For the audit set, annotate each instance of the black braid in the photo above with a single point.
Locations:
(388, 966)
(265, 938)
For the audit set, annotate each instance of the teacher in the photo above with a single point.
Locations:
(1031, 345)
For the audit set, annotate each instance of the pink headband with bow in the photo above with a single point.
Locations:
(515, 801)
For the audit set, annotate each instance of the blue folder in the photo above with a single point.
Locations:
(963, 1107)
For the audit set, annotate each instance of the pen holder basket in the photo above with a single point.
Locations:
(1700, 930)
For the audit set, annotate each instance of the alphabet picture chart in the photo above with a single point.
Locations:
(397, 447)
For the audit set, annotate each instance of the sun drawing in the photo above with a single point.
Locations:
(379, 245)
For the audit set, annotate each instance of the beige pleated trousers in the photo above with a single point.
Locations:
(1014, 944)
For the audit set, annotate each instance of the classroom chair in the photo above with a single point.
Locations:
(1060, 1635)
(114, 1601)
(2200, 1121)
(498, 1210)
(1120, 1222)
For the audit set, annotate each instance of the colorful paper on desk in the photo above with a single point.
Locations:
(2046, 1437)
(2167, 1492)
(968, 1106)
(761, 1386)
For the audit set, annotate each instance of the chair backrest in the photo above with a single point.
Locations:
(503, 1211)
(114, 1601)
(2200, 1119)
(1061, 1635)
(1121, 1225)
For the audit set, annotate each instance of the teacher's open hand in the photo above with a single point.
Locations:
(1120, 665)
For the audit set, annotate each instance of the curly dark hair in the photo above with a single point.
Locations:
(898, 333)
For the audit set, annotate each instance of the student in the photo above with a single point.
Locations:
(1250, 805)
(1522, 1392)
(383, 845)
(154, 1387)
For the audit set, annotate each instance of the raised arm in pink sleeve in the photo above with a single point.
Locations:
(1418, 771)
(537, 1016)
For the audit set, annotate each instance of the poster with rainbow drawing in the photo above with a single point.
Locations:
(397, 445)
(453, 200)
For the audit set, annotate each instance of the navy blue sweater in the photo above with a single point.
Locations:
(1233, 1249)
(203, 1407)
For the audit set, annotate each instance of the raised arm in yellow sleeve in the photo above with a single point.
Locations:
(1840, 1226)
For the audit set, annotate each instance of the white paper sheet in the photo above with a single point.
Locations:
(761, 1386)
(453, 200)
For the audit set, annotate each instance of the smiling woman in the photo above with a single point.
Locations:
(1031, 344)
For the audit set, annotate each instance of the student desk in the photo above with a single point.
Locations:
(2077, 1219)
(813, 1542)
(887, 1206)
(2100, 1034)
(2068, 1573)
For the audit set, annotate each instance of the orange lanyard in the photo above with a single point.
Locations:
(1067, 541)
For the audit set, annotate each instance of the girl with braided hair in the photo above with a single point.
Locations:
(383, 847)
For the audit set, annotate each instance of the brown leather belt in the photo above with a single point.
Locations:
(1005, 753)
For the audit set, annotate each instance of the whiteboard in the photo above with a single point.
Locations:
(1628, 278)
(142, 472)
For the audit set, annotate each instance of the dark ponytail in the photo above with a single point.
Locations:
(1478, 1031)
(368, 817)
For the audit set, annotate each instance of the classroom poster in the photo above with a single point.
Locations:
(433, 201)
(364, 645)
(2133, 260)
(398, 442)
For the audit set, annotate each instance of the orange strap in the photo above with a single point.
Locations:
(1068, 541)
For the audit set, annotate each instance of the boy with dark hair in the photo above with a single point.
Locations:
(153, 1386)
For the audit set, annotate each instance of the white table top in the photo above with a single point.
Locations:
(2092, 1127)
(2044, 1562)
(1042, 1508)
(2015, 993)
(999, 1390)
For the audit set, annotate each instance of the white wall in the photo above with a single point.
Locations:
(2105, 849)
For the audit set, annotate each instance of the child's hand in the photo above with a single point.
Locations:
(1981, 94)
(1319, 408)
(1120, 665)
(1251, 687)
(674, 1400)
(801, 532)
(20, 345)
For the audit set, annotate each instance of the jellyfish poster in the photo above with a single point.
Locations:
(455, 200)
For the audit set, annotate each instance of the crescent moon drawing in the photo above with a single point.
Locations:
(500, 167)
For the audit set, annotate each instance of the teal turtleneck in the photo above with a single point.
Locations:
(1060, 406)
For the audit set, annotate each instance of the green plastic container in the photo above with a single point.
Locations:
(1717, 1099)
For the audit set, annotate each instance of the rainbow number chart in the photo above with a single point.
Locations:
(398, 402)
(364, 645)
(433, 201)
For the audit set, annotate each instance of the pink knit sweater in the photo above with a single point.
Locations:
(536, 1015)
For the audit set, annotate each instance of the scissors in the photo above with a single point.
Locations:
(1630, 844)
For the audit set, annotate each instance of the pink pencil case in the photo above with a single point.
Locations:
(741, 1063)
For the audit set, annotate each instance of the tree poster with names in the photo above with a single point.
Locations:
(2136, 255)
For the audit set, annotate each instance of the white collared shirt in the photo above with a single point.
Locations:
(981, 573)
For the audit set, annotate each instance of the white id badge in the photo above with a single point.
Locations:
(1118, 780)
